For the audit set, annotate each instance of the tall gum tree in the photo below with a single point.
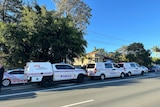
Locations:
(78, 10)
(10, 10)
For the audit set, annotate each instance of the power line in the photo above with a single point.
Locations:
(111, 37)
(115, 38)
(104, 42)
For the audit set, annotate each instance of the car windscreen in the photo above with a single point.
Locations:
(121, 65)
(90, 65)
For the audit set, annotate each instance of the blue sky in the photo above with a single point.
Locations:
(116, 23)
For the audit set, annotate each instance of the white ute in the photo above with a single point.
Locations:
(105, 70)
(46, 73)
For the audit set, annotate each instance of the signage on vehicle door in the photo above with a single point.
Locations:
(64, 76)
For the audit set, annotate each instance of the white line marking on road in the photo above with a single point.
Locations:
(19, 88)
(68, 87)
(78, 103)
(15, 87)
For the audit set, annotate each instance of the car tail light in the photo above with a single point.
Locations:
(95, 70)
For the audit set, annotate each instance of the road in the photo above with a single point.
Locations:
(137, 91)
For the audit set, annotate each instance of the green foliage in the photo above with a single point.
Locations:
(118, 57)
(101, 50)
(156, 49)
(121, 54)
(41, 36)
(156, 60)
(137, 53)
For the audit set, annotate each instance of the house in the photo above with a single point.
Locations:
(92, 57)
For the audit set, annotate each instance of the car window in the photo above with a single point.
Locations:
(137, 65)
(60, 66)
(108, 65)
(90, 65)
(133, 65)
(16, 72)
(121, 65)
(64, 67)
(69, 67)
(116, 65)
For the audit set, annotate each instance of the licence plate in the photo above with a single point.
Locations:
(91, 74)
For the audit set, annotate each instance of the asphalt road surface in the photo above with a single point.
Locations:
(136, 91)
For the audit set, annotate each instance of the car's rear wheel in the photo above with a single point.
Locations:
(6, 82)
(46, 82)
(102, 77)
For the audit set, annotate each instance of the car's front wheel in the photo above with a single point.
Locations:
(6, 82)
(129, 74)
(122, 75)
(80, 78)
(142, 73)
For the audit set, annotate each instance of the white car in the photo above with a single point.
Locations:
(145, 69)
(105, 70)
(132, 68)
(14, 76)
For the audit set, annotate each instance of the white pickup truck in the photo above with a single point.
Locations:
(46, 73)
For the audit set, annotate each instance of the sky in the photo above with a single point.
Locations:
(117, 23)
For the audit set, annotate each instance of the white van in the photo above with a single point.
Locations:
(132, 68)
(104, 70)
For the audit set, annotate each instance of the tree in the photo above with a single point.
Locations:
(121, 54)
(10, 10)
(137, 53)
(101, 51)
(79, 12)
(41, 36)
(156, 49)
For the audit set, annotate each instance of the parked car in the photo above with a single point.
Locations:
(131, 68)
(145, 69)
(46, 73)
(154, 68)
(14, 76)
(80, 67)
(104, 70)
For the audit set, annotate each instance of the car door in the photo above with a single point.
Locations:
(109, 71)
(138, 68)
(135, 68)
(70, 72)
(64, 72)
(117, 70)
(17, 76)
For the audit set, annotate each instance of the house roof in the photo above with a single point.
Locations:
(97, 52)
(93, 52)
